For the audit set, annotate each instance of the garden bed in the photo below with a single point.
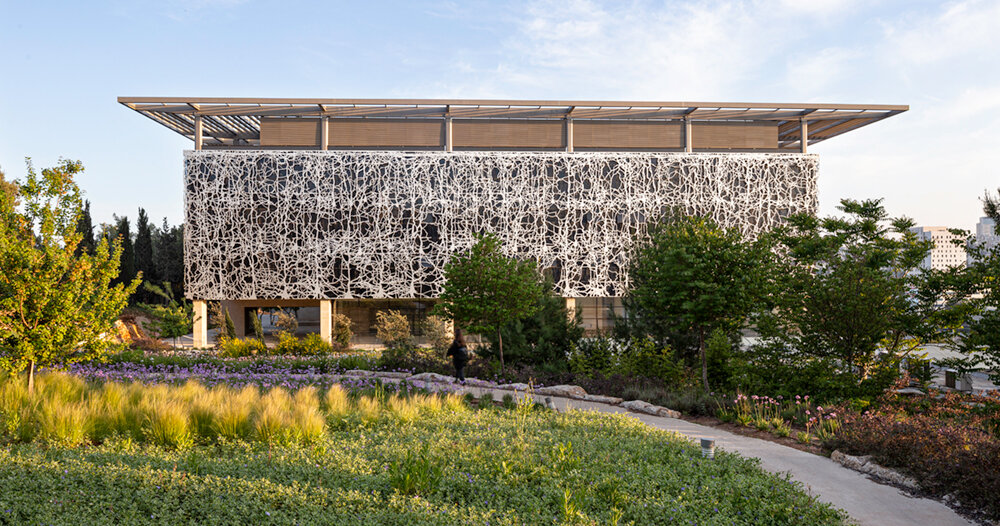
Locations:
(402, 462)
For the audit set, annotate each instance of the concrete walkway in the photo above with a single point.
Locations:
(867, 502)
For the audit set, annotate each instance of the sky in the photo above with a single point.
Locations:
(63, 64)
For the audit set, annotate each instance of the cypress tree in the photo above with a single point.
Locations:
(85, 227)
(144, 253)
(124, 231)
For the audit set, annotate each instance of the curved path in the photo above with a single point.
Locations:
(867, 502)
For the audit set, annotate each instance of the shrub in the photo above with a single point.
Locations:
(285, 321)
(342, 332)
(439, 333)
(240, 348)
(945, 457)
(541, 338)
(258, 330)
(392, 328)
(311, 345)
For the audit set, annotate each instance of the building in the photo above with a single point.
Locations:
(948, 251)
(355, 205)
(986, 235)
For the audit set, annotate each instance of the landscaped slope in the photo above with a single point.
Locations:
(424, 462)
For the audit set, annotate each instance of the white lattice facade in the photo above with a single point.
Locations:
(285, 225)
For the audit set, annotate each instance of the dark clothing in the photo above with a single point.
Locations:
(460, 357)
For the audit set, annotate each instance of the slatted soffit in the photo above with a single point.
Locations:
(237, 123)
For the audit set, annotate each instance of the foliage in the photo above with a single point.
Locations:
(311, 345)
(689, 275)
(172, 320)
(258, 330)
(945, 455)
(347, 476)
(144, 262)
(286, 321)
(439, 333)
(242, 347)
(55, 305)
(127, 270)
(392, 328)
(230, 326)
(85, 227)
(342, 333)
(485, 289)
(634, 357)
(850, 291)
(544, 336)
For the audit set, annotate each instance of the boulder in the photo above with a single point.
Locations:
(431, 377)
(910, 391)
(601, 399)
(864, 464)
(569, 391)
(639, 406)
(476, 382)
(513, 387)
(392, 374)
(358, 372)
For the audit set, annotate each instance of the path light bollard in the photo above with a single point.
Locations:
(707, 448)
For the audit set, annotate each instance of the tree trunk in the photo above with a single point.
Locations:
(31, 377)
(704, 357)
(500, 342)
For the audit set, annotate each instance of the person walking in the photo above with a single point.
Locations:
(460, 355)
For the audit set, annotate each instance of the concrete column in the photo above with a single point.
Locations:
(200, 324)
(449, 140)
(198, 132)
(569, 134)
(324, 132)
(571, 308)
(326, 320)
(688, 139)
(804, 134)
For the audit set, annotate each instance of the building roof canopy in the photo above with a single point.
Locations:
(236, 122)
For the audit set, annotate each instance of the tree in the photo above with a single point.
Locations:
(127, 271)
(691, 276)
(173, 320)
(485, 289)
(852, 291)
(544, 336)
(85, 227)
(55, 305)
(981, 345)
(168, 249)
(144, 262)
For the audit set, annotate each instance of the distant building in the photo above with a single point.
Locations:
(946, 252)
(986, 234)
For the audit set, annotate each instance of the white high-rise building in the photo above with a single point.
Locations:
(946, 252)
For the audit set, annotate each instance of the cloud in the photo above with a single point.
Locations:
(970, 28)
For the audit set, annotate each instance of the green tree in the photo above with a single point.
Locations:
(546, 335)
(127, 271)
(144, 262)
(981, 345)
(85, 227)
(173, 319)
(852, 291)
(689, 275)
(55, 305)
(168, 249)
(485, 289)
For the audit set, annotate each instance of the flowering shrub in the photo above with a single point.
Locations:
(241, 347)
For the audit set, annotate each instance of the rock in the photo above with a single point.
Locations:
(639, 406)
(864, 464)
(910, 391)
(601, 399)
(513, 387)
(358, 372)
(476, 382)
(569, 391)
(392, 374)
(431, 377)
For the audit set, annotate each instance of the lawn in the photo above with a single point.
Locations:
(380, 459)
